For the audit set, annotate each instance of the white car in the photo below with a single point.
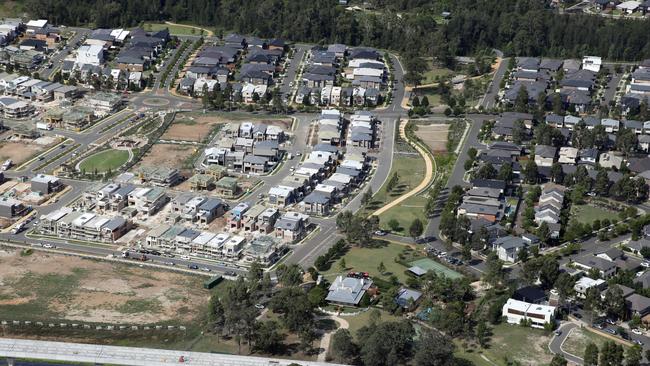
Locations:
(186, 257)
(645, 264)
(206, 269)
(48, 246)
(637, 331)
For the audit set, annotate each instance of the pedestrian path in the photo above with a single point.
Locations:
(429, 168)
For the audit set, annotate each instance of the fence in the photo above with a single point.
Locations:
(88, 326)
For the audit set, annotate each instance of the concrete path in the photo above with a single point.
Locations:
(427, 176)
(325, 341)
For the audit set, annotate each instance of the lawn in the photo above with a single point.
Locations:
(528, 346)
(578, 340)
(410, 170)
(587, 214)
(358, 321)
(412, 208)
(105, 160)
(368, 259)
(173, 29)
(433, 71)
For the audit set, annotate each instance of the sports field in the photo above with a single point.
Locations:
(428, 264)
(106, 160)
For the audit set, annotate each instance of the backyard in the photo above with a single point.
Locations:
(509, 343)
(103, 161)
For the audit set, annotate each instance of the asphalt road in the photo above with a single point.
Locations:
(304, 253)
(57, 58)
(556, 343)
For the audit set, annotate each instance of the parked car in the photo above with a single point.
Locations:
(259, 306)
(637, 331)
(192, 266)
(645, 264)
(48, 246)
(380, 233)
(636, 341)
(206, 269)
(611, 331)
(558, 332)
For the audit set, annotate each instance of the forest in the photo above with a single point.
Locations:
(517, 27)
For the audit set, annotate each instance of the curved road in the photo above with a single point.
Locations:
(556, 343)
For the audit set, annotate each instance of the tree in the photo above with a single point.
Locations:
(592, 301)
(564, 284)
(239, 312)
(416, 229)
(295, 308)
(521, 101)
(494, 273)
(614, 302)
(558, 360)
(487, 171)
(530, 172)
(591, 355)
(290, 275)
(601, 185)
(386, 343)
(393, 224)
(611, 354)
(544, 233)
(381, 268)
(522, 254)
(367, 196)
(433, 349)
(392, 182)
(267, 337)
(342, 347)
(506, 173)
(626, 141)
(482, 334)
(556, 173)
(344, 220)
(633, 356)
(342, 265)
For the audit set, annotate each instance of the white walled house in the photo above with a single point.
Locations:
(515, 311)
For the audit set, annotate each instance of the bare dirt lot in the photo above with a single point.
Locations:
(434, 136)
(19, 152)
(168, 155)
(49, 287)
(196, 126)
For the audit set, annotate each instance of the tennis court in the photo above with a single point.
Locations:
(428, 264)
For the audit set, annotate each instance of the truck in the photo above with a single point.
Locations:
(43, 126)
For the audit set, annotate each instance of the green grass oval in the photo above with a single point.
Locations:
(105, 160)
